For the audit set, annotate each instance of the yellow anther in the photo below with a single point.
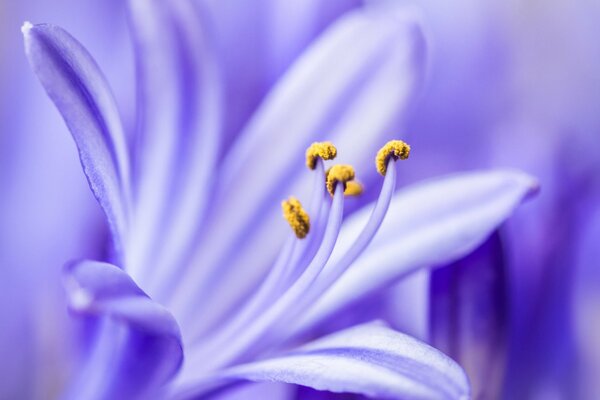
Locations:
(296, 217)
(394, 148)
(338, 173)
(353, 188)
(324, 150)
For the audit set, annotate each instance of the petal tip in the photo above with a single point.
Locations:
(530, 183)
(81, 300)
(26, 27)
(534, 188)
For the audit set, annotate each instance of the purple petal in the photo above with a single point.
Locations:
(264, 37)
(370, 359)
(586, 302)
(178, 133)
(468, 312)
(139, 346)
(77, 87)
(350, 85)
(429, 224)
(306, 393)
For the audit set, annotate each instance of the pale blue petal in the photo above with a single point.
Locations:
(370, 359)
(429, 224)
(77, 87)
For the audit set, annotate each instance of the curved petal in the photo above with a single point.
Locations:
(468, 314)
(265, 37)
(428, 224)
(139, 344)
(369, 359)
(350, 85)
(586, 302)
(77, 87)
(178, 132)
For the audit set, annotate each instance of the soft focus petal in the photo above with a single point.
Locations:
(428, 224)
(370, 359)
(78, 89)
(586, 296)
(323, 89)
(469, 316)
(407, 305)
(42, 189)
(307, 393)
(139, 344)
(516, 83)
(351, 85)
(264, 390)
(178, 133)
(257, 41)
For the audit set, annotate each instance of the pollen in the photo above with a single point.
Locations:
(296, 216)
(353, 188)
(338, 173)
(324, 150)
(396, 149)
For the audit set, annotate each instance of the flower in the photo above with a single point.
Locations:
(185, 306)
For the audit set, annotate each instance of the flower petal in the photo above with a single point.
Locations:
(178, 133)
(369, 359)
(586, 301)
(140, 336)
(429, 224)
(264, 37)
(361, 73)
(77, 87)
(469, 315)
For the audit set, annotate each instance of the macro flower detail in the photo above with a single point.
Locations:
(338, 174)
(296, 217)
(323, 150)
(395, 149)
(205, 286)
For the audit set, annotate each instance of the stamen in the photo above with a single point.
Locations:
(270, 320)
(323, 150)
(296, 216)
(395, 149)
(290, 262)
(353, 188)
(333, 272)
(338, 173)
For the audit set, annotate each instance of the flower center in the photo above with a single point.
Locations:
(304, 270)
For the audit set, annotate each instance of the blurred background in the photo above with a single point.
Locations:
(511, 83)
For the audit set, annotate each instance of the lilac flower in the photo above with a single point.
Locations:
(205, 286)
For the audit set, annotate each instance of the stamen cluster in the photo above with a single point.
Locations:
(303, 270)
(293, 211)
